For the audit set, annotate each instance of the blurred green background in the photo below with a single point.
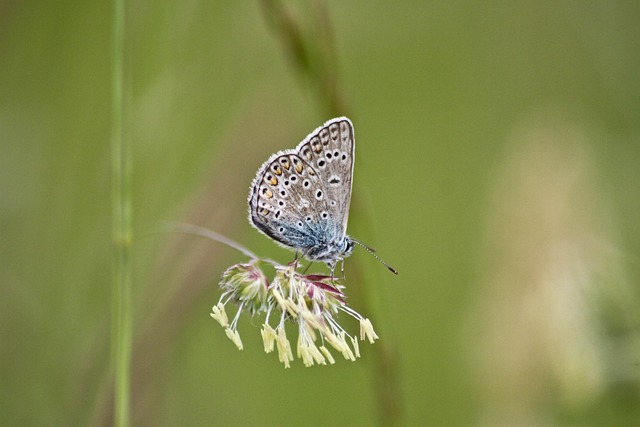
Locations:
(497, 168)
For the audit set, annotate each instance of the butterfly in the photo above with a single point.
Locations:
(300, 197)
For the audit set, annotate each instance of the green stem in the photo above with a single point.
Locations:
(315, 59)
(121, 323)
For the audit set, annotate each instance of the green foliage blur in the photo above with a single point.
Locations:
(497, 168)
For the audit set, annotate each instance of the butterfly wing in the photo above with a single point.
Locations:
(301, 197)
(330, 149)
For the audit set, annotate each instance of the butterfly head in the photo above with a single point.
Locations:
(331, 252)
(342, 249)
(347, 247)
(336, 251)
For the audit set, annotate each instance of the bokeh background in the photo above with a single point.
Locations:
(498, 169)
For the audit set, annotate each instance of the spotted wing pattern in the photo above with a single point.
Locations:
(301, 197)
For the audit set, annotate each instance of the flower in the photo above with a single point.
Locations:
(246, 285)
(311, 303)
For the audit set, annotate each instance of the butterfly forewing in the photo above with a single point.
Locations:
(330, 149)
(301, 197)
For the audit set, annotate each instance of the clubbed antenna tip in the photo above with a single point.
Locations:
(373, 252)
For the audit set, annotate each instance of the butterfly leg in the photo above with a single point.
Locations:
(332, 266)
(308, 265)
(307, 269)
(294, 263)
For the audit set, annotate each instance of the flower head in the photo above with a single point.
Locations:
(246, 285)
(309, 302)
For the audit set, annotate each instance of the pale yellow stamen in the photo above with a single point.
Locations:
(366, 330)
(328, 355)
(268, 337)
(235, 337)
(218, 314)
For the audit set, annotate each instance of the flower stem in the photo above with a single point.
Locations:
(121, 324)
(196, 230)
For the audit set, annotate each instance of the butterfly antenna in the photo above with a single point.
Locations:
(372, 252)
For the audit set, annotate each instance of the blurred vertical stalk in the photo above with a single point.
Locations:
(552, 304)
(315, 59)
(122, 226)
